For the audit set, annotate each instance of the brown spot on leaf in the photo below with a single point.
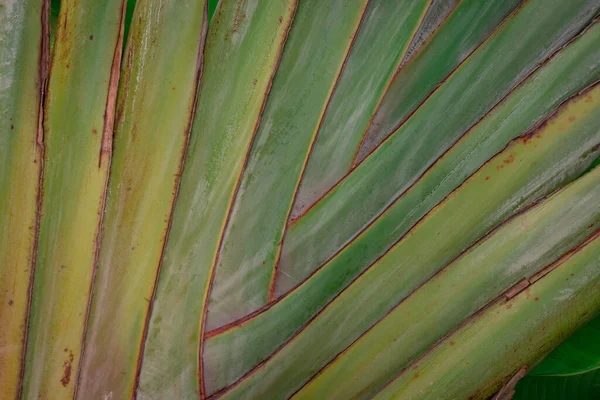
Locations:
(536, 298)
(67, 368)
(91, 37)
(451, 343)
(509, 159)
(487, 178)
(10, 302)
(12, 127)
(572, 118)
(237, 17)
(94, 131)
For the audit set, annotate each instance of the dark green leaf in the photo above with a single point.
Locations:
(570, 387)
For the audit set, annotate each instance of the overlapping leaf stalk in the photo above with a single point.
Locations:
(23, 73)
(304, 199)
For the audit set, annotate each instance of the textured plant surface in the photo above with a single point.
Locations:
(307, 199)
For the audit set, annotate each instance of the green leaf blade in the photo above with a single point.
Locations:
(585, 386)
(578, 354)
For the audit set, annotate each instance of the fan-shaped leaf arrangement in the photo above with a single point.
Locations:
(342, 199)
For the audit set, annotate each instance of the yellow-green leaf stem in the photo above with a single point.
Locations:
(156, 100)
(529, 167)
(516, 251)
(496, 68)
(482, 355)
(78, 113)
(23, 69)
(243, 47)
(382, 42)
(237, 348)
(319, 41)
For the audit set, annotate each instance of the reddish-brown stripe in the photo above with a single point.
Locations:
(104, 153)
(43, 69)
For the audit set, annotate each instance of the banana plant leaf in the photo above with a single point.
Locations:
(571, 371)
(584, 386)
(212, 6)
(578, 354)
(299, 199)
